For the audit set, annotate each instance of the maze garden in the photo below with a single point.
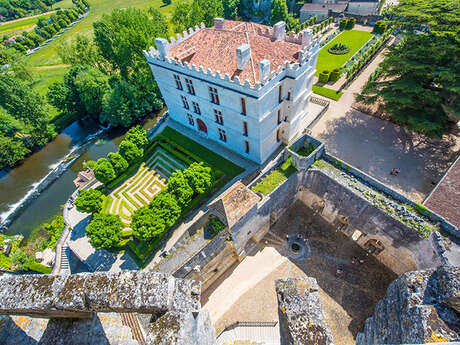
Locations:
(140, 189)
(169, 151)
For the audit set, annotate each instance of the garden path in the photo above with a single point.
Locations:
(376, 146)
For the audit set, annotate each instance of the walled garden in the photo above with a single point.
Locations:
(137, 208)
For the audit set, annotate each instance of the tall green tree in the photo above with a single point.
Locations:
(104, 171)
(104, 230)
(231, 8)
(212, 9)
(118, 162)
(199, 177)
(419, 84)
(138, 136)
(179, 187)
(91, 86)
(12, 151)
(89, 201)
(130, 151)
(279, 11)
(186, 15)
(165, 205)
(147, 224)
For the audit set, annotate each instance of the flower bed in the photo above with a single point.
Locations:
(338, 49)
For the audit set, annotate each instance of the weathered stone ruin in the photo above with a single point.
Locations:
(301, 312)
(174, 304)
(420, 307)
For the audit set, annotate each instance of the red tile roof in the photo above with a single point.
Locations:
(445, 197)
(216, 49)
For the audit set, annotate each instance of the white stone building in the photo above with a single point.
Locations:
(244, 85)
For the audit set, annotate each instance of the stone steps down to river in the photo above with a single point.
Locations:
(420, 307)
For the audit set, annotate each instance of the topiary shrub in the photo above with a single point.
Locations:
(335, 75)
(324, 77)
(338, 49)
(343, 24)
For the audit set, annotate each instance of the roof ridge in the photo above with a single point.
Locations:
(252, 62)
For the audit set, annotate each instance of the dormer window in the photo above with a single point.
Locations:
(214, 95)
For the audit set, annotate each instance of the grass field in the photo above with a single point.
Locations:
(21, 25)
(269, 183)
(354, 39)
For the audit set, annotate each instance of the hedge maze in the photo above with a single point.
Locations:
(140, 189)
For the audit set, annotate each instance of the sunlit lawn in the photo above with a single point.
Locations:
(354, 39)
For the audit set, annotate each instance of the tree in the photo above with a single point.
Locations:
(231, 8)
(89, 201)
(104, 230)
(279, 11)
(11, 151)
(130, 151)
(165, 205)
(21, 260)
(92, 85)
(82, 51)
(138, 136)
(199, 177)
(419, 79)
(178, 186)
(211, 9)
(147, 224)
(187, 15)
(104, 171)
(21, 101)
(118, 162)
(351, 23)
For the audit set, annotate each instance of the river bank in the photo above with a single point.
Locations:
(37, 188)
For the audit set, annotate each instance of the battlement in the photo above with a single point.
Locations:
(298, 57)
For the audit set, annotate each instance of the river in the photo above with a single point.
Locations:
(15, 184)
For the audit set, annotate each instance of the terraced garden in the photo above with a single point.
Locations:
(140, 189)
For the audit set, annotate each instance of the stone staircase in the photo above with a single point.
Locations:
(65, 267)
(251, 333)
(130, 320)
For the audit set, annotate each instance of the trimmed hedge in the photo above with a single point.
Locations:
(38, 267)
(323, 77)
(335, 75)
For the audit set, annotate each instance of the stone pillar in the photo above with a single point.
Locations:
(264, 70)
(219, 23)
(243, 55)
(279, 31)
(163, 47)
(307, 36)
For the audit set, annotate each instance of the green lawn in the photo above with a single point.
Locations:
(21, 25)
(326, 92)
(354, 39)
(201, 153)
(275, 178)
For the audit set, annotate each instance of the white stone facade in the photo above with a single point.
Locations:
(269, 120)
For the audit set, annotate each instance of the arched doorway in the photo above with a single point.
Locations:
(202, 126)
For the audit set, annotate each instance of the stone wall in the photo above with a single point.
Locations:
(420, 307)
(301, 312)
(404, 248)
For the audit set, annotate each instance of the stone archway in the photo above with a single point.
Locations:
(202, 126)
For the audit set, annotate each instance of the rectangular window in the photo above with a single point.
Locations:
(178, 82)
(279, 116)
(196, 108)
(219, 117)
(222, 135)
(278, 135)
(190, 88)
(280, 93)
(289, 96)
(191, 122)
(243, 106)
(246, 144)
(184, 102)
(214, 95)
(245, 128)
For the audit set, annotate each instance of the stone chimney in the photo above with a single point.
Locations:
(307, 36)
(219, 23)
(264, 70)
(279, 31)
(243, 55)
(163, 47)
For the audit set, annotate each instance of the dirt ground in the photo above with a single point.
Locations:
(247, 291)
